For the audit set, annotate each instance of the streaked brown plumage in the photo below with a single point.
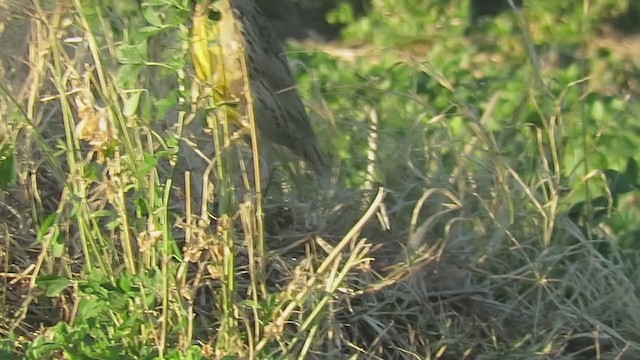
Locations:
(279, 112)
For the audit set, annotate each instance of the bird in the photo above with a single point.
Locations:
(243, 35)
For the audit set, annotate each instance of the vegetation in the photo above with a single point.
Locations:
(483, 203)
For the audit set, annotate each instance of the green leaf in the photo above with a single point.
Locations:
(131, 104)
(48, 222)
(172, 142)
(113, 224)
(8, 174)
(252, 304)
(125, 283)
(58, 244)
(149, 163)
(50, 229)
(132, 54)
(152, 16)
(127, 75)
(41, 348)
(100, 214)
(91, 308)
(92, 171)
(53, 285)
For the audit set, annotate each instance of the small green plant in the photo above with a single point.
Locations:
(111, 319)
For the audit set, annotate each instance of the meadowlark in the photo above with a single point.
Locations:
(242, 33)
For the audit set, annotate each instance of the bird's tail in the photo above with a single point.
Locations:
(314, 159)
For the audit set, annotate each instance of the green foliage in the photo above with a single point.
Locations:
(8, 173)
(113, 317)
(586, 100)
(8, 347)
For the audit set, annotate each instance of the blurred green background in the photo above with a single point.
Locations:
(570, 67)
